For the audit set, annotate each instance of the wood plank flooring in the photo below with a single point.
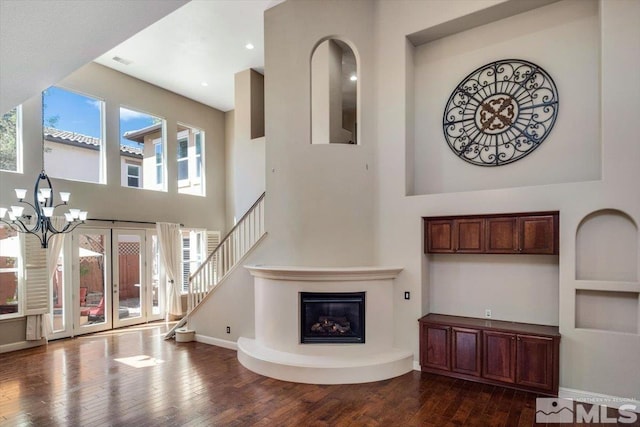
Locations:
(132, 377)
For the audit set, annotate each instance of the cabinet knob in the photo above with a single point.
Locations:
(513, 338)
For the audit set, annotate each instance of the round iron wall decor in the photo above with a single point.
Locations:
(500, 112)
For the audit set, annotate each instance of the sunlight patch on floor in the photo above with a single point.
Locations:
(141, 361)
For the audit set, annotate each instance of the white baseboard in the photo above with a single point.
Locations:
(21, 345)
(598, 398)
(416, 366)
(231, 345)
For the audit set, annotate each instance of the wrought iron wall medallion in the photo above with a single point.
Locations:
(500, 113)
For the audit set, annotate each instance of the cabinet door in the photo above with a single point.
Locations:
(535, 362)
(439, 236)
(469, 235)
(502, 235)
(434, 351)
(538, 234)
(499, 351)
(465, 351)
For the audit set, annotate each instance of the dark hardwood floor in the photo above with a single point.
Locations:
(132, 377)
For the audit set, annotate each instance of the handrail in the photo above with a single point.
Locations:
(226, 237)
(235, 245)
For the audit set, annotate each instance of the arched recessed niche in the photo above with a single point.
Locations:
(334, 93)
(607, 247)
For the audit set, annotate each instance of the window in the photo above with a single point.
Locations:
(193, 254)
(11, 141)
(9, 273)
(157, 147)
(190, 160)
(133, 176)
(73, 132)
(183, 159)
(142, 144)
(198, 154)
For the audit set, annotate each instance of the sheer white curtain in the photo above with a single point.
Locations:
(170, 244)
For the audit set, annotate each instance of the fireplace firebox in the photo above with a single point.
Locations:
(332, 318)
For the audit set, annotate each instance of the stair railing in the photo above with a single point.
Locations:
(231, 249)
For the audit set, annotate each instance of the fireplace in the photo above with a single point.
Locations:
(332, 318)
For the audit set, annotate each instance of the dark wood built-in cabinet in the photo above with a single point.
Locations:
(522, 233)
(517, 355)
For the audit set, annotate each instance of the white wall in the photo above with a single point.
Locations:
(58, 157)
(590, 360)
(248, 155)
(319, 207)
(564, 39)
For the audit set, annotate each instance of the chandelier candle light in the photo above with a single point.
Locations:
(43, 207)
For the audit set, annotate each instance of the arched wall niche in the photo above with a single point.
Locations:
(607, 247)
(335, 91)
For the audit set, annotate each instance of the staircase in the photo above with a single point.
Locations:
(247, 232)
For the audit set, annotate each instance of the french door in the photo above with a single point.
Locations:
(106, 278)
(91, 257)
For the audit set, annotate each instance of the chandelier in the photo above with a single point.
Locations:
(43, 207)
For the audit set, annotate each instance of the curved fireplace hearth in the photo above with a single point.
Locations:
(364, 296)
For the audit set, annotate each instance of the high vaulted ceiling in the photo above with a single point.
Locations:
(42, 41)
(196, 50)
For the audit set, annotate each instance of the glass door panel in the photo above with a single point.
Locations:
(129, 287)
(92, 280)
(155, 275)
(62, 292)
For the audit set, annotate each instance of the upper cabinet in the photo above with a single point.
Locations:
(523, 233)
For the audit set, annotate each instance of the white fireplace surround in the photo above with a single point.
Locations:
(276, 350)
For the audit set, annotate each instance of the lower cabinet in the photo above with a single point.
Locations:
(510, 354)
(465, 351)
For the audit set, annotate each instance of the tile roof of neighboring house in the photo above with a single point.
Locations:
(139, 134)
(79, 140)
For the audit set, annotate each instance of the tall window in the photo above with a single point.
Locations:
(199, 154)
(157, 147)
(142, 143)
(193, 253)
(73, 132)
(11, 141)
(183, 159)
(190, 160)
(9, 273)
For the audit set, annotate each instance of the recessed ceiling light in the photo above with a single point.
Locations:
(353, 78)
(205, 84)
(249, 46)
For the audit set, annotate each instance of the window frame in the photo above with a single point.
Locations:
(19, 141)
(102, 154)
(194, 183)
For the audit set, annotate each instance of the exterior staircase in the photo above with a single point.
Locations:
(243, 237)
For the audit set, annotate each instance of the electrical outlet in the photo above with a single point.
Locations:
(487, 313)
(228, 329)
(407, 295)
